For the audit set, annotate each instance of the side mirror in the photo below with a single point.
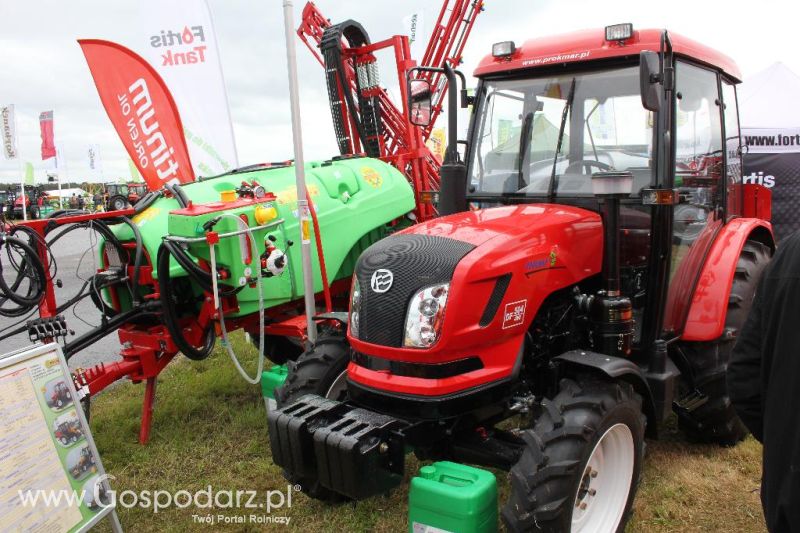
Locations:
(419, 102)
(650, 80)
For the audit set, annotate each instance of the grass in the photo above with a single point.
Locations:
(209, 428)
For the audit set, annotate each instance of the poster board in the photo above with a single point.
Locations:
(46, 448)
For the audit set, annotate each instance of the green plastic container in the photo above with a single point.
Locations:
(450, 497)
(270, 380)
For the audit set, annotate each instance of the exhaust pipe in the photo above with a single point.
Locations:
(611, 313)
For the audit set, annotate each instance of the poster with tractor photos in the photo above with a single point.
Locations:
(51, 478)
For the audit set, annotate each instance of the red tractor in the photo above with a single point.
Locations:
(68, 432)
(34, 202)
(560, 310)
(60, 396)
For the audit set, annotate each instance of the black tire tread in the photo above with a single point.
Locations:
(315, 370)
(543, 482)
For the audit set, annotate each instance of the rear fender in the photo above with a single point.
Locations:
(709, 308)
(615, 368)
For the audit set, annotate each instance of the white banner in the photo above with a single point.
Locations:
(771, 141)
(8, 127)
(93, 158)
(178, 39)
(414, 25)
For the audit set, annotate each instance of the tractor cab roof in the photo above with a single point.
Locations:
(591, 45)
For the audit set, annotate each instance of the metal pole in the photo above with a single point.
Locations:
(21, 178)
(58, 176)
(299, 172)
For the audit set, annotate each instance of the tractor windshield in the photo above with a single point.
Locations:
(546, 136)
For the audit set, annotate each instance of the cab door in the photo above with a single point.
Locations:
(700, 181)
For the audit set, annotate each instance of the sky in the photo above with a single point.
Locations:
(42, 67)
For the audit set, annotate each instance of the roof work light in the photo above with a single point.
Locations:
(619, 32)
(504, 49)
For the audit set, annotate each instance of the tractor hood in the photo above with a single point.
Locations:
(531, 250)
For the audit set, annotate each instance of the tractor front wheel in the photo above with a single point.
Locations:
(582, 461)
(322, 371)
(705, 413)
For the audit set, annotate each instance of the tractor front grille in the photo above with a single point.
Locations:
(415, 262)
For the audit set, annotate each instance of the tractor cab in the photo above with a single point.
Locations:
(595, 256)
(657, 106)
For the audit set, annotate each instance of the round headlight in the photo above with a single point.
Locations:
(429, 307)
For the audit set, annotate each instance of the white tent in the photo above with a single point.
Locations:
(770, 122)
(66, 193)
(768, 99)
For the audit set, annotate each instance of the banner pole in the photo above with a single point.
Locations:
(299, 172)
(224, 87)
(21, 174)
(58, 176)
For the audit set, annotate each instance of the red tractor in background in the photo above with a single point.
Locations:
(123, 195)
(598, 254)
(35, 203)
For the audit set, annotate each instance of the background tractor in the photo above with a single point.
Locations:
(35, 202)
(122, 195)
(598, 255)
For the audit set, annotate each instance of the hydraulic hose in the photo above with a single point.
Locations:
(177, 192)
(254, 380)
(202, 277)
(137, 262)
(169, 314)
(146, 201)
(30, 260)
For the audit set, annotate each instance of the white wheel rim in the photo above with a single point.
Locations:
(338, 386)
(605, 483)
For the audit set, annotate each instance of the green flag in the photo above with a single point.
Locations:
(135, 176)
(28, 174)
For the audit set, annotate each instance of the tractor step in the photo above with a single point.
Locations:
(690, 402)
(349, 450)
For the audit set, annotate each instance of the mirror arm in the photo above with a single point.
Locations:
(452, 113)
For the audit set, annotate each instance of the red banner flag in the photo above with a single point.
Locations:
(46, 127)
(142, 111)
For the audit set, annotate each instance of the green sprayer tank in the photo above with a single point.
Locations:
(355, 200)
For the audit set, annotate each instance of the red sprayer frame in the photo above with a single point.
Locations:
(402, 144)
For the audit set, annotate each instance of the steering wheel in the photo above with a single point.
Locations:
(588, 164)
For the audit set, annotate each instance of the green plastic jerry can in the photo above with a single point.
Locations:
(270, 380)
(450, 497)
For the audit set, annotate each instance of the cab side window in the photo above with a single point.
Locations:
(733, 143)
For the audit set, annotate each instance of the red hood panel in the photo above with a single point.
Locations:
(478, 227)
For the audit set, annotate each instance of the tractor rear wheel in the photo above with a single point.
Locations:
(582, 461)
(118, 203)
(706, 414)
(323, 371)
